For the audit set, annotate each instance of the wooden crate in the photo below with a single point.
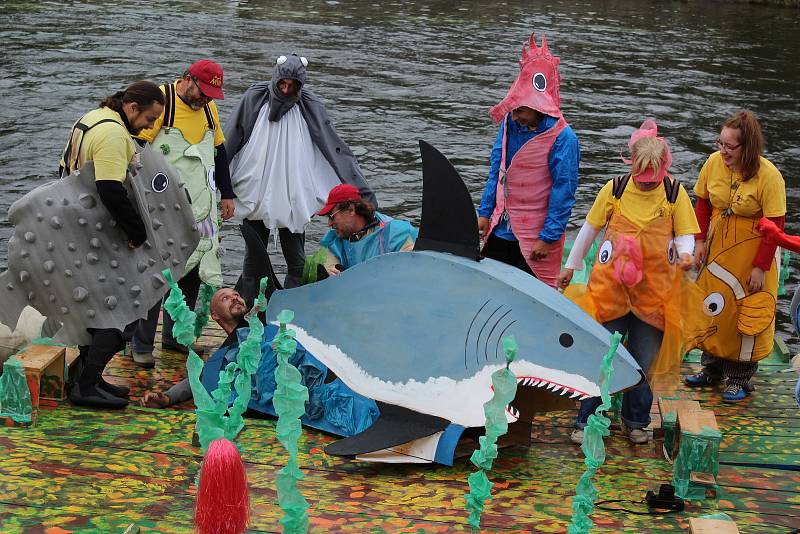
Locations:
(698, 525)
(44, 367)
(669, 409)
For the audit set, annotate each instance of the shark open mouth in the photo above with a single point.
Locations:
(551, 387)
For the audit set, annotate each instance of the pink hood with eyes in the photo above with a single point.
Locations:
(536, 86)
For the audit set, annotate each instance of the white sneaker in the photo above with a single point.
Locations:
(144, 359)
(577, 436)
(637, 436)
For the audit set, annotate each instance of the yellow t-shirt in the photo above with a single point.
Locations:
(762, 195)
(108, 145)
(192, 123)
(642, 207)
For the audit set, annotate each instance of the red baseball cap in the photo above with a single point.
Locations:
(209, 77)
(340, 193)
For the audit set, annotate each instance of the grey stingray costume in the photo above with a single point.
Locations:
(69, 259)
(241, 122)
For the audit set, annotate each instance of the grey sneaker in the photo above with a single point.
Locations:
(637, 436)
(577, 436)
(144, 359)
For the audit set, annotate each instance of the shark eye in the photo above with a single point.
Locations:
(566, 340)
(604, 254)
(160, 183)
(671, 254)
(539, 82)
(713, 304)
(281, 60)
(304, 61)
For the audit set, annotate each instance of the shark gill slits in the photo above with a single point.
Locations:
(566, 340)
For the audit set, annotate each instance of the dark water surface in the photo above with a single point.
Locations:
(395, 72)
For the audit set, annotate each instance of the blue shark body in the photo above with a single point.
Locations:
(422, 330)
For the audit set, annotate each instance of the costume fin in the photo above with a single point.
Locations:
(14, 301)
(395, 426)
(449, 223)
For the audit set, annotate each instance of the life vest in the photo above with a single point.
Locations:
(72, 152)
(523, 195)
(195, 163)
(389, 236)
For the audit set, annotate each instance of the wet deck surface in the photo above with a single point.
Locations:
(80, 470)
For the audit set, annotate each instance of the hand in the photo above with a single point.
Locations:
(154, 399)
(228, 208)
(699, 252)
(541, 249)
(564, 278)
(332, 270)
(483, 226)
(686, 261)
(756, 280)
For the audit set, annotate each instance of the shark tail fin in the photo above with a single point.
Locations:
(449, 223)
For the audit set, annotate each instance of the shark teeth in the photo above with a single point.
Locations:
(512, 411)
(561, 389)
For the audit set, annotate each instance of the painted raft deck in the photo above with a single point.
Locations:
(80, 470)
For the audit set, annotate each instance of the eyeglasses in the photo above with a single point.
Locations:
(332, 214)
(194, 81)
(728, 147)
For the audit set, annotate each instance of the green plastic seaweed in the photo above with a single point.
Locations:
(504, 384)
(290, 404)
(593, 447)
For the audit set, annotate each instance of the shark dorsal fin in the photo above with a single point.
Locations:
(449, 223)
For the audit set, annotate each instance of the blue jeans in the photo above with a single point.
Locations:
(643, 343)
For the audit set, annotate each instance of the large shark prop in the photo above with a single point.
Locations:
(68, 260)
(420, 332)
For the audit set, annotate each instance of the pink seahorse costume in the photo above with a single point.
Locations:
(523, 189)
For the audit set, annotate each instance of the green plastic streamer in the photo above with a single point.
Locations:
(214, 418)
(184, 318)
(200, 322)
(504, 384)
(696, 453)
(784, 273)
(311, 266)
(581, 276)
(15, 397)
(593, 448)
(290, 404)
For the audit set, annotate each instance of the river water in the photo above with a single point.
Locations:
(392, 73)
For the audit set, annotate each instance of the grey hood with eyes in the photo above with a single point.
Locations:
(239, 125)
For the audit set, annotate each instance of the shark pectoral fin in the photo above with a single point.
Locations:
(756, 313)
(395, 426)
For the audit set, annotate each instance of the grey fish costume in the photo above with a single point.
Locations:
(68, 259)
(240, 124)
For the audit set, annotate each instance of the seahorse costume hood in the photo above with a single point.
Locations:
(536, 86)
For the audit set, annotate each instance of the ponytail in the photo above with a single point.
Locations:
(143, 92)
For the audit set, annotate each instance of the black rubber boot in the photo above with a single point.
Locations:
(95, 397)
(88, 391)
(117, 391)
